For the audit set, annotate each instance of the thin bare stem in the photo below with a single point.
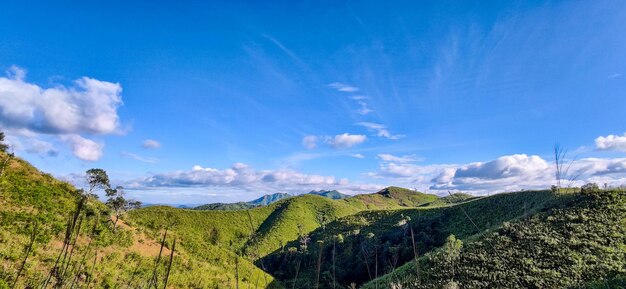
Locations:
(28, 250)
(153, 278)
(169, 267)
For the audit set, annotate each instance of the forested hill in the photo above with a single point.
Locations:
(579, 242)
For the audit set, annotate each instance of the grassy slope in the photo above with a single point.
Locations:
(451, 199)
(582, 240)
(305, 211)
(123, 257)
(225, 206)
(390, 198)
(263, 230)
(257, 232)
(363, 232)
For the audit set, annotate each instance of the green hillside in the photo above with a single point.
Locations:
(531, 239)
(264, 229)
(100, 257)
(451, 199)
(384, 235)
(391, 198)
(579, 243)
(225, 206)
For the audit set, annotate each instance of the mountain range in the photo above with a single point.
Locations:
(266, 200)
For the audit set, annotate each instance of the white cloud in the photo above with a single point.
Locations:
(511, 172)
(242, 177)
(343, 87)
(506, 173)
(505, 167)
(611, 143)
(359, 97)
(346, 140)
(88, 106)
(411, 171)
(615, 75)
(84, 149)
(402, 159)
(380, 130)
(358, 156)
(599, 167)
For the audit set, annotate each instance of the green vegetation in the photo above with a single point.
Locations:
(52, 233)
(225, 206)
(391, 198)
(578, 243)
(95, 254)
(455, 198)
(372, 243)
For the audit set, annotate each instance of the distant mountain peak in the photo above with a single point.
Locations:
(333, 194)
(268, 199)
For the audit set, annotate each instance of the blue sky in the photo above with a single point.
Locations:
(236, 100)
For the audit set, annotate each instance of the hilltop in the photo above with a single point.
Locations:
(391, 198)
(334, 194)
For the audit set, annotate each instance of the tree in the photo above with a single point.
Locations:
(303, 237)
(3, 146)
(590, 188)
(214, 236)
(446, 261)
(118, 204)
(97, 179)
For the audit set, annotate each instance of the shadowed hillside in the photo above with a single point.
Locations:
(578, 243)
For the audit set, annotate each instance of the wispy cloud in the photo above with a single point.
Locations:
(614, 75)
(309, 141)
(343, 87)
(140, 158)
(364, 109)
(287, 51)
(380, 130)
(358, 156)
(402, 159)
(150, 144)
